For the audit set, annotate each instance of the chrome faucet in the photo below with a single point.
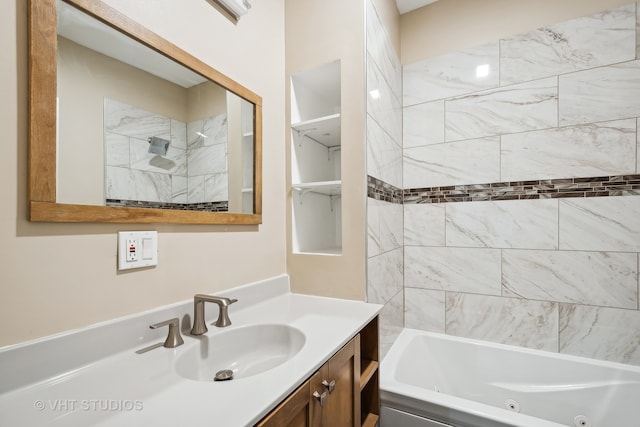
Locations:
(174, 338)
(199, 326)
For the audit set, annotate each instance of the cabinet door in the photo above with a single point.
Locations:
(343, 402)
(293, 412)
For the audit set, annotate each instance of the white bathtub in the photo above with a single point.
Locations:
(427, 379)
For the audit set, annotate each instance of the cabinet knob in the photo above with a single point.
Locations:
(320, 397)
(329, 385)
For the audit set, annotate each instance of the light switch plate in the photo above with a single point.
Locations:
(137, 249)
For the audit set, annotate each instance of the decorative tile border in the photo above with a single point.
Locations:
(601, 186)
(380, 190)
(202, 207)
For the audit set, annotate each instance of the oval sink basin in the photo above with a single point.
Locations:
(247, 351)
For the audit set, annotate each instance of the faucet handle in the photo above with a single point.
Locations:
(223, 316)
(174, 339)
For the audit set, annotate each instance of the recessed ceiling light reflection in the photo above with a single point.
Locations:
(482, 70)
(375, 94)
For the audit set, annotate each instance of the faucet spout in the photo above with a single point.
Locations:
(199, 326)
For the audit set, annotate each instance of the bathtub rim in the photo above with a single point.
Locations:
(462, 412)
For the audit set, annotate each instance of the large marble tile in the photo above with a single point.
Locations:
(451, 74)
(600, 333)
(600, 39)
(134, 122)
(382, 51)
(638, 30)
(179, 188)
(391, 228)
(600, 224)
(475, 161)
(117, 183)
(638, 141)
(195, 189)
(424, 224)
(597, 278)
(216, 187)
(600, 94)
(384, 276)
(382, 104)
(599, 149)
(384, 155)
(215, 130)
(150, 186)
(207, 160)
(453, 269)
(391, 322)
(509, 109)
(424, 309)
(195, 134)
(529, 224)
(373, 227)
(178, 134)
(513, 321)
(116, 149)
(423, 124)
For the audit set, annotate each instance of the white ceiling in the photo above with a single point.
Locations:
(405, 6)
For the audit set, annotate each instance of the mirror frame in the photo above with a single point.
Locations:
(42, 123)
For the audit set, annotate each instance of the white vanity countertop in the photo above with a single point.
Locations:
(129, 389)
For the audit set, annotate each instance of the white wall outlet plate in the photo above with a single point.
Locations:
(137, 249)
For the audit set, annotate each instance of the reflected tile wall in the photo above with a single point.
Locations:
(124, 119)
(555, 274)
(137, 174)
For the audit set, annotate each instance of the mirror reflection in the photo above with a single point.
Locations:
(137, 129)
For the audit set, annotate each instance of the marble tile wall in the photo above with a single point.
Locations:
(194, 170)
(384, 170)
(521, 189)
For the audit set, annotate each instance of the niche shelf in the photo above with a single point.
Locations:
(316, 161)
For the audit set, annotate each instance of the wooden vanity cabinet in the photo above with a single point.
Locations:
(344, 392)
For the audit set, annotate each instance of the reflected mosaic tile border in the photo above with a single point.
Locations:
(600, 186)
(202, 207)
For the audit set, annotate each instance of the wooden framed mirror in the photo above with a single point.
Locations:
(174, 142)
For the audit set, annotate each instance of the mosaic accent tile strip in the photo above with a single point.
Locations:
(602, 186)
(202, 207)
(380, 190)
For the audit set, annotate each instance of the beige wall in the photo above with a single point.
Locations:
(55, 277)
(319, 32)
(451, 25)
